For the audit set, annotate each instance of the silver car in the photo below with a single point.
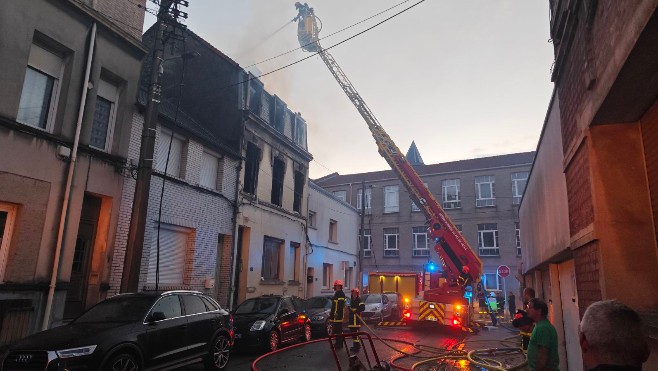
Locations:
(378, 307)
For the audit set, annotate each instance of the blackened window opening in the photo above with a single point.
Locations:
(255, 98)
(278, 168)
(251, 168)
(279, 116)
(299, 190)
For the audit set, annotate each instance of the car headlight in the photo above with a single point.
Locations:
(317, 318)
(76, 352)
(258, 325)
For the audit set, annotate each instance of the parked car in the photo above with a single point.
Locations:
(132, 332)
(318, 309)
(378, 307)
(269, 321)
(397, 304)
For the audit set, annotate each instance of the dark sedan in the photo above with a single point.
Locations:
(132, 332)
(318, 309)
(269, 321)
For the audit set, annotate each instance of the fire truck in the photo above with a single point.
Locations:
(462, 268)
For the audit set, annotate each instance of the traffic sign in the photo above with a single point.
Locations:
(503, 271)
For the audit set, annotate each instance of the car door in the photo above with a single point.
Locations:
(386, 307)
(165, 336)
(201, 324)
(288, 318)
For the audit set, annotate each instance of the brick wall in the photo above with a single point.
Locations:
(649, 127)
(127, 14)
(586, 259)
(579, 191)
(223, 285)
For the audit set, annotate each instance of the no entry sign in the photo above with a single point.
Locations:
(503, 271)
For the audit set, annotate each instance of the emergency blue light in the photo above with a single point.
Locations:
(431, 267)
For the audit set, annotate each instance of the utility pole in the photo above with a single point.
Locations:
(133, 259)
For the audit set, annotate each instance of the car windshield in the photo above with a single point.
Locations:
(318, 302)
(119, 309)
(257, 305)
(372, 299)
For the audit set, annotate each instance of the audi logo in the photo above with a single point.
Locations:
(23, 358)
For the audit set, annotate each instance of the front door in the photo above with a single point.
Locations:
(84, 246)
(570, 314)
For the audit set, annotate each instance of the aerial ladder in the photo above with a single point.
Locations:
(462, 267)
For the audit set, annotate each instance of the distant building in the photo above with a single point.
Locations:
(480, 195)
(333, 227)
(589, 216)
(45, 49)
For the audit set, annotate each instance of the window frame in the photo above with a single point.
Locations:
(447, 184)
(341, 195)
(517, 234)
(416, 232)
(252, 169)
(394, 192)
(486, 228)
(483, 180)
(517, 194)
(5, 243)
(487, 280)
(183, 256)
(414, 207)
(294, 255)
(165, 133)
(38, 61)
(278, 179)
(367, 235)
(312, 219)
(274, 257)
(333, 231)
(391, 232)
(110, 92)
(368, 206)
(219, 162)
(327, 275)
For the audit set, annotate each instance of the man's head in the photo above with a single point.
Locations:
(356, 293)
(528, 293)
(537, 309)
(338, 285)
(611, 333)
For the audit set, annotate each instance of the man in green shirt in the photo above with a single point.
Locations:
(542, 350)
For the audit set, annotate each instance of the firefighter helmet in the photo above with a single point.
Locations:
(465, 269)
(357, 291)
(338, 283)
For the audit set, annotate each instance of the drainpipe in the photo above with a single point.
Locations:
(69, 182)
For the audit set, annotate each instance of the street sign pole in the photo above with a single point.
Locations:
(506, 305)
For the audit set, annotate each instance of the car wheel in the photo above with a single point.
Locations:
(274, 342)
(122, 362)
(307, 333)
(219, 353)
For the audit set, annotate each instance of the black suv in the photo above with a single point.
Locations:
(132, 332)
(268, 321)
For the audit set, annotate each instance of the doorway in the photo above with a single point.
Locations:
(76, 295)
(240, 274)
(570, 314)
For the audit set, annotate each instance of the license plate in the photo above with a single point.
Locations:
(238, 336)
(430, 318)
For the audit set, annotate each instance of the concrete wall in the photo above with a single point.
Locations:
(323, 249)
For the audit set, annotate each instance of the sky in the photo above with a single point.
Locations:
(461, 78)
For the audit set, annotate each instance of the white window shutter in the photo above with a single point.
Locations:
(173, 244)
(209, 165)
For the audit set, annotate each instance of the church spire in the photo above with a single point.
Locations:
(413, 156)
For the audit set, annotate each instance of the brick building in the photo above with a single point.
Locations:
(589, 215)
(50, 248)
(480, 196)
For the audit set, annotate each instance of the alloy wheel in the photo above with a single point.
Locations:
(123, 362)
(221, 350)
(307, 332)
(274, 340)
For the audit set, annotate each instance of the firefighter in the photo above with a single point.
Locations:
(357, 306)
(465, 277)
(336, 315)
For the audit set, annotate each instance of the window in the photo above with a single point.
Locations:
(299, 191)
(169, 305)
(255, 92)
(419, 237)
(359, 199)
(367, 249)
(491, 281)
(347, 278)
(300, 132)
(341, 195)
(193, 304)
(271, 258)
(391, 199)
(252, 163)
(488, 239)
(518, 238)
(459, 227)
(519, 181)
(327, 275)
(293, 257)
(104, 116)
(173, 249)
(278, 172)
(279, 115)
(7, 215)
(333, 231)
(450, 194)
(40, 92)
(211, 171)
(175, 155)
(414, 207)
(484, 191)
(391, 239)
(312, 219)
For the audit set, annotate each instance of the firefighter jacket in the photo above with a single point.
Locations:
(337, 306)
(357, 306)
